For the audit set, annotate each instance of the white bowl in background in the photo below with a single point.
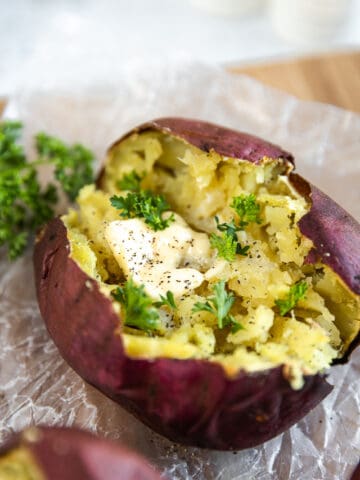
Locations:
(308, 21)
(229, 7)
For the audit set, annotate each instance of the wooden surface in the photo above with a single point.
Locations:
(328, 78)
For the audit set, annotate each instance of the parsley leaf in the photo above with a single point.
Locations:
(73, 165)
(131, 181)
(227, 245)
(242, 250)
(144, 204)
(168, 301)
(11, 154)
(219, 305)
(25, 205)
(229, 228)
(296, 292)
(247, 208)
(139, 310)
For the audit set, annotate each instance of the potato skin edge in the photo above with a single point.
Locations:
(210, 137)
(334, 233)
(72, 454)
(356, 473)
(336, 238)
(189, 401)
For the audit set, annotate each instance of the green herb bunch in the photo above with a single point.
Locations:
(73, 164)
(24, 204)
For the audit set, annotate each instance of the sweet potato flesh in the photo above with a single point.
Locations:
(200, 186)
(18, 464)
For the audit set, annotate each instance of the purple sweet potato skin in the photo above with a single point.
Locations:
(229, 143)
(189, 401)
(208, 136)
(356, 473)
(71, 454)
(336, 237)
(79, 318)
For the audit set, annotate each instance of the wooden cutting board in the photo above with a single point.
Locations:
(328, 78)
(331, 78)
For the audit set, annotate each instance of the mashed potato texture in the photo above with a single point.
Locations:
(199, 187)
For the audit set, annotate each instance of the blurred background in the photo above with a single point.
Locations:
(64, 43)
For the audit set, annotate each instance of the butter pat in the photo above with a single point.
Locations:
(169, 259)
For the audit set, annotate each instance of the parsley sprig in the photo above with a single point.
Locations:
(131, 181)
(219, 305)
(139, 310)
(296, 293)
(25, 205)
(73, 164)
(11, 153)
(144, 204)
(247, 209)
(227, 244)
(167, 301)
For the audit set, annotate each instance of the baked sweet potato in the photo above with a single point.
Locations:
(255, 276)
(53, 453)
(356, 473)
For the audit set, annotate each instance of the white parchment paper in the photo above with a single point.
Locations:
(37, 386)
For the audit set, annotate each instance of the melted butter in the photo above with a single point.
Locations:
(170, 259)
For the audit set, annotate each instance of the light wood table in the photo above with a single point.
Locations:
(332, 78)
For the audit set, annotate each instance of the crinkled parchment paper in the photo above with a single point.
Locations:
(36, 385)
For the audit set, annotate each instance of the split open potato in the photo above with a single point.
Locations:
(55, 453)
(202, 285)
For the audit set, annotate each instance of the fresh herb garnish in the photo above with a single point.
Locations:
(138, 306)
(131, 181)
(73, 164)
(296, 292)
(168, 301)
(219, 305)
(24, 204)
(227, 244)
(11, 153)
(144, 204)
(229, 228)
(247, 209)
